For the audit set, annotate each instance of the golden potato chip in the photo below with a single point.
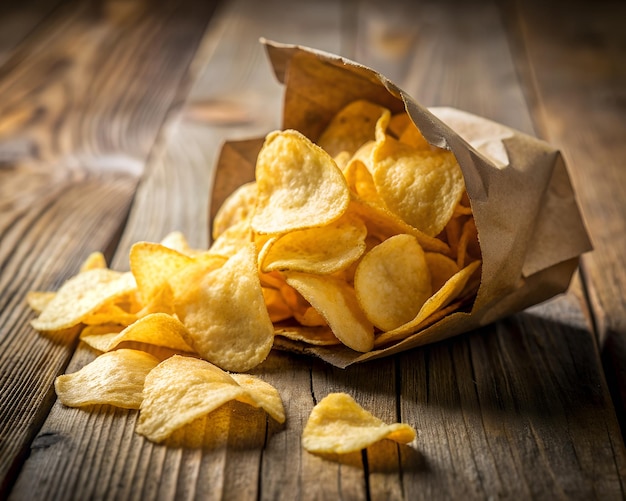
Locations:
(158, 329)
(444, 296)
(398, 123)
(315, 335)
(152, 265)
(381, 224)
(351, 127)
(468, 243)
(237, 207)
(441, 269)
(100, 336)
(225, 315)
(392, 282)
(299, 185)
(339, 425)
(422, 187)
(323, 250)
(335, 300)
(93, 261)
(114, 378)
(110, 313)
(276, 305)
(38, 300)
(81, 295)
(178, 242)
(412, 136)
(232, 239)
(261, 394)
(179, 390)
(182, 389)
(309, 317)
(361, 182)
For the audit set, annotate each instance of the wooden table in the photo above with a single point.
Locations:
(112, 114)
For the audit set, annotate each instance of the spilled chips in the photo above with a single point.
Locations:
(339, 425)
(359, 241)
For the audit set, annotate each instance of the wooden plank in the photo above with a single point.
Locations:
(575, 71)
(74, 142)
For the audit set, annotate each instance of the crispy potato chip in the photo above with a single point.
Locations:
(361, 182)
(237, 207)
(335, 300)
(444, 296)
(398, 123)
(94, 260)
(158, 329)
(81, 295)
(276, 305)
(232, 239)
(392, 282)
(339, 425)
(225, 314)
(309, 317)
(468, 244)
(114, 378)
(441, 269)
(323, 250)
(422, 187)
(351, 127)
(110, 313)
(182, 389)
(261, 394)
(152, 265)
(178, 242)
(412, 136)
(299, 185)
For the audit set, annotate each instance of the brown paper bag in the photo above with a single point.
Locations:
(529, 225)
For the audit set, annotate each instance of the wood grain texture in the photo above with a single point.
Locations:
(74, 138)
(516, 409)
(579, 103)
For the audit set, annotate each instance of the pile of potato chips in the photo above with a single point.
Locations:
(360, 239)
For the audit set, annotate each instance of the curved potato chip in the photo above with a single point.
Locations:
(237, 207)
(336, 302)
(225, 315)
(159, 329)
(441, 269)
(323, 250)
(299, 185)
(276, 305)
(339, 425)
(261, 394)
(177, 241)
(115, 378)
(351, 127)
(38, 300)
(232, 239)
(422, 187)
(81, 295)
(392, 282)
(152, 265)
(361, 182)
(412, 136)
(439, 300)
(398, 123)
(93, 261)
(182, 389)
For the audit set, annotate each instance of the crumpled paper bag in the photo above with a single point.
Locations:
(529, 225)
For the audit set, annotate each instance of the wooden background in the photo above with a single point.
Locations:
(112, 114)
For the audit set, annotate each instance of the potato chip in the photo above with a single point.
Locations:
(309, 317)
(232, 239)
(421, 187)
(392, 282)
(441, 269)
(412, 136)
(323, 250)
(94, 260)
(178, 242)
(351, 127)
(114, 378)
(335, 300)
(261, 394)
(398, 123)
(152, 265)
(157, 329)
(444, 296)
(81, 295)
(299, 185)
(361, 182)
(110, 313)
(276, 305)
(237, 207)
(182, 389)
(339, 425)
(225, 314)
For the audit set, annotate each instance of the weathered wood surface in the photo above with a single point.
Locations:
(111, 118)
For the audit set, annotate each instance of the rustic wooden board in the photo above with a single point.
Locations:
(578, 102)
(73, 143)
(518, 408)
